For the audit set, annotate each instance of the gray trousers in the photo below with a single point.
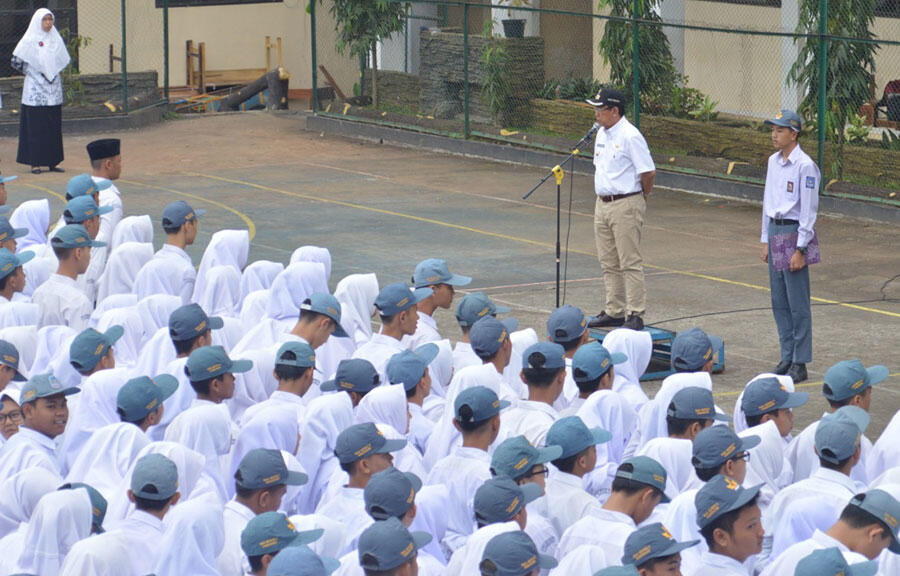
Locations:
(790, 305)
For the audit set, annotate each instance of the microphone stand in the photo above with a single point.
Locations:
(557, 171)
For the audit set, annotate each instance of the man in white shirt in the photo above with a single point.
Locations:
(388, 547)
(295, 363)
(567, 326)
(12, 275)
(260, 481)
(471, 308)
(544, 372)
(433, 273)
(867, 525)
(212, 374)
(266, 535)
(396, 305)
(567, 500)
(83, 210)
(410, 369)
(652, 550)
(592, 370)
(514, 554)
(767, 399)
(106, 165)
(730, 521)
(171, 270)
(60, 300)
(8, 234)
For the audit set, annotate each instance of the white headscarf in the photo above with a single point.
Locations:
(51, 341)
(885, 452)
(220, 294)
(16, 314)
(110, 302)
(24, 338)
(357, 293)
(612, 412)
(107, 456)
(194, 537)
(766, 461)
(37, 271)
(122, 268)
(290, 288)
(206, 429)
(318, 436)
(132, 229)
(385, 405)
(637, 347)
(521, 340)
(441, 368)
(156, 353)
(60, 520)
(19, 494)
(33, 215)
(274, 427)
(313, 254)
(253, 308)
(289, 504)
(155, 312)
(652, 417)
(99, 555)
(675, 456)
(225, 248)
(740, 421)
(127, 349)
(259, 276)
(157, 277)
(46, 51)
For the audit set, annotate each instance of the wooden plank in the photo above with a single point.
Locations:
(330, 81)
(236, 77)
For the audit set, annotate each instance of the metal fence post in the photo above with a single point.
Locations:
(315, 73)
(823, 86)
(466, 67)
(166, 49)
(124, 62)
(636, 61)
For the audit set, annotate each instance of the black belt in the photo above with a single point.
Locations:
(611, 197)
(784, 222)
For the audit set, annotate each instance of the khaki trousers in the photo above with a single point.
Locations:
(617, 231)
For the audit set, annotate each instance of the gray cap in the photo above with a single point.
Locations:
(391, 493)
(652, 541)
(885, 508)
(544, 356)
(272, 532)
(155, 477)
(513, 554)
(831, 562)
(516, 456)
(263, 468)
(716, 445)
(719, 496)
(566, 323)
(574, 436)
(323, 303)
(787, 119)
(692, 349)
(387, 544)
(499, 499)
(838, 434)
(142, 395)
(301, 561)
(488, 334)
(44, 386)
(694, 403)
(476, 305)
(189, 321)
(90, 346)
(361, 441)
(434, 271)
(176, 214)
(477, 404)
(9, 356)
(644, 470)
(353, 375)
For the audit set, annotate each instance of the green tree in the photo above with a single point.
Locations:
(360, 24)
(850, 67)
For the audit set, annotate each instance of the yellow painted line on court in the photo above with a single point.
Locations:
(251, 227)
(47, 190)
(519, 239)
(817, 383)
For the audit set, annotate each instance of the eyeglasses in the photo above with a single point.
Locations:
(745, 456)
(537, 472)
(15, 417)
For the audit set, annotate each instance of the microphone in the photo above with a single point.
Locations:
(593, 131)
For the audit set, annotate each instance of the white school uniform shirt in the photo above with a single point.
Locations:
(681, 520)
(180, 270)
(28, 448)
(621, 155)
(541, 531)
(569, 392)
(108, 222)
(463, 356)
(349, 508)
(718, 565)
(462, 472)
(62, 302)
(378, 351)
(143, 532)
(426, 331)
(231, 561)
(466, 559)
(607, 529)
(420, 427)
(428, 565)
(278, 398)
(179, 401)
(787, 562)
(801, 453)
(568, 501)
(530, 419)
(792, 193)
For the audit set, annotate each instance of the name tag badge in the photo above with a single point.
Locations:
(810, 182)
(790, 187)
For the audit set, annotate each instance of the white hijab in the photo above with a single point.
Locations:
(19, 494)
(313, 254)
(441, 368)
(766, 461)
(292, 286)
(46, 51)
(107, 456)
(155, 277)
(385, 405)
(17, 314)
(637, 347)
(51, 341)
(122, 268)
(220, 294)
(60, 520)
(357, 293)
(205, 429)
(318, 436)
(274, 427)
(585, 559)
(289, 504)
(24, 338)
(194, 538)
(259, 276)
(253, 308)
(612, 412)
(37, 271)
(652, 417)
(99, 555)
(33, 215)
(885, 453)
(156, 353)
(127, 349)
(740, 421)
(155, 311)
(110, 302)
(132, 229)
(225, 248)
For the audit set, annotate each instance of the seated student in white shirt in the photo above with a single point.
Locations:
(83, 210)
(652, 550)
(830, 562)
(567, 326)
(847, 383)
(471, 308)
(260, 481)
(362, 451)
(171, 269)
(567, 500)
(544, 373)
(387, 547)
(730, 521)
(212, 374)
(60, 300)
(514, 554)
(433, 273)
(477, 417)
(816, 502)
(592, 369)
(45, 414)
(410, 369)
(396, 304)
(355, 376)
(637, 489)
(12, 274)
(266, 535)
(766, 399)
(295, 363)
(866, 527)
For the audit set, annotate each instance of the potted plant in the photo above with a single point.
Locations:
(514, 27)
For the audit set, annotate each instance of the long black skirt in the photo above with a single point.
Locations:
(40, 136)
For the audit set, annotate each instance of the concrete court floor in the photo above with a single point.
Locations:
(382, 208)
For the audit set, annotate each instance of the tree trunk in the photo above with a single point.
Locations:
(374, 75)
(277, 83)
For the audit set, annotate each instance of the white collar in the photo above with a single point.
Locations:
(288, 397)
(349, 493)
(175, 251)
(826, 541)
(718, 560)
(427, 319)
(567, 479)
(141, 517)
(384, 340)
(37, 437)
(240, 509)
(56, 277)
(835, 477)
(616, 516)
(537, 406)
(472, 453)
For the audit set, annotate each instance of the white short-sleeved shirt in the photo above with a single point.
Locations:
(791, 192)
(347, 507)
(718, 565)
(621, 155)
(231, 561)
(801, 453)
(568, 501)
(378, 351)
(530, 419)
(426, 331)
(142, 532)
(62, 303)
(462, 473)
(607, 529)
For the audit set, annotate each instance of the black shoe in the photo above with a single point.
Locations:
(782, 367)
(56, 169)
(634, 322)
(798, 373)
(604, 320)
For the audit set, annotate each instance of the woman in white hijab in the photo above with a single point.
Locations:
(99, 555)
(611, 411)
(767, 463)
(122, 268)
(225, 248)
(60, 520)
(318, 437)
(194, 537)
(357, 293)
(110, 302)
(128, 347)
(206, 429)
(220, 293)
(253, 308)
(155, 311)
(41, 55)
(107, 456)
(638, 348)
(35, 216)
(652, 416)
(259, 275)
(19, 494)
(132, 229)
(157, 352)
(24, 338)
(51, 341)
(314, 254)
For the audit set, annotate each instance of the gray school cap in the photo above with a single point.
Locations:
(90, 346)
(645, 470)
(44, 386)
(304, 355)
(7, 231)
(830, 562)
(211, 362)
(9, 262)
(9, 356)
(884, 507)
(787, 119)
(768, 394)
(513, 554)
(83, 208)
(387, 544)
(397, 297)
(189, 321)
(650, 542)
(838, 434)
(488, 334)
(694, 403)
(544, 356)
(592, 361)
(353, 375)
(435, 271)
(361, 441)
(323, 303)
(85, 185)
(566, 323)
(263, 468)
(408, 367)
(477, 404)
(271, 532)
(719, 496)
(142, 395)
(848, 378)
(98, 503)
(74, 236)
(516, 456)
(391, 493)
(476, 305)
(692, 349)
(301, 561)
(574, 436)
(716, 445)
(499, 499)
(177, 213)
(155, 477)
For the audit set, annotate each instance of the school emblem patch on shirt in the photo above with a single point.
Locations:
(790, 186)
(810, 182)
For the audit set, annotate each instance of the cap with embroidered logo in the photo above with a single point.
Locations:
(408, 367)
(499, 499)
(397, 297)
(98, 503)
(488, 334)
(885, 508)
(476, 305)
(719, 496)
(295, 353)
(391, 493)
(848, 378)
(644, 470)
(387, 544)
(301, 561)
(9, 356)
(178, 213)
(361, 441)
(592, 361)
(838, 434)
(513, 554)
(544, 356)
(566, 323)
(574, 436)
(768, 394)
(434, 271)
(7, 231)
(211, 362)
(263, 468)
(9, 262)
(353, 375)
(74, 236)
(787, 119)
(323, 303)
(155, 477)
(44, 386)
(831, 562)
(650, 542)
(89, 347)
(516, 456)
(692, 349)
(607, 97)
(272, 532)
(694, 403)
(142, 395)
(477, 404)
(85, 185)
(189, 321)
(83, 208)
(715, 445)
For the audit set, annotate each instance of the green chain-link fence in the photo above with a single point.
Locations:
(701, 76)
